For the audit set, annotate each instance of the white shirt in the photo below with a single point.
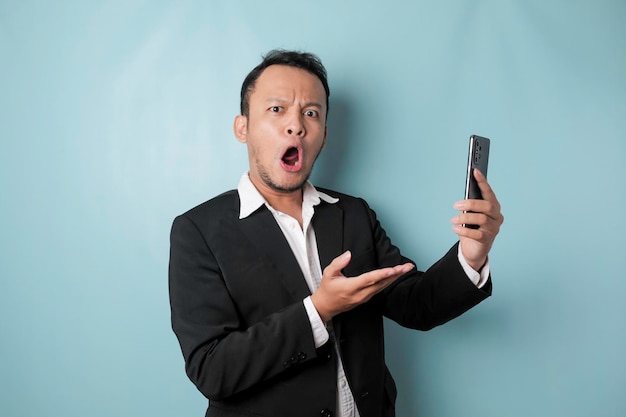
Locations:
(304, 247)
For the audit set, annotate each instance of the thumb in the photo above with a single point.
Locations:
(340, 262)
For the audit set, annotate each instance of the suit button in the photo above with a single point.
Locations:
(326, 413)
(302, 356)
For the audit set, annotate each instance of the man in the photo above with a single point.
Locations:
(278, 289)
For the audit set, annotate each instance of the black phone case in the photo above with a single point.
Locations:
(478, 157)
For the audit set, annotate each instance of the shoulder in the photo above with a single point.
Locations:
(342, 197)
(222, 206)
(346, 201)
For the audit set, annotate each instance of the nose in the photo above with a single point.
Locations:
(295, 126)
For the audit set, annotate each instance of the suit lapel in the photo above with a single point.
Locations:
(262, 231)
(328, 225)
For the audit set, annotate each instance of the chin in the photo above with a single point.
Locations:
(286, 186)
(289, 187)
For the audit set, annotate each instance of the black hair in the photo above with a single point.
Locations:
(303, 60)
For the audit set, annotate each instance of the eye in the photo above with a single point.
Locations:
(275, 109)
(311, 113)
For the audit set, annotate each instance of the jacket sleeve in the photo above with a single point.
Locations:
(225, 355)
(423, 300)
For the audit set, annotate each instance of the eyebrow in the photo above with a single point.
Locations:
(282, 100)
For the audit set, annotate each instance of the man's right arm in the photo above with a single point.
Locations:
(224, 354)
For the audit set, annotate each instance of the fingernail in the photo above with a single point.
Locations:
(459, 205)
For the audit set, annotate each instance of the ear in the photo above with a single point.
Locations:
(325, 136)
(240, 126)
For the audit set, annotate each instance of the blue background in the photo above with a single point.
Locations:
(115, 116)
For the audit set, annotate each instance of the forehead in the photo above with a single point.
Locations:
(284, 81)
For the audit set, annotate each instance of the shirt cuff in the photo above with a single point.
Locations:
(320, 334)
(478, 278)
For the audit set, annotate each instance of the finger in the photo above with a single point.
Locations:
(383, 275)
(404, 268)
(478, 234)
(490, 209)
(485, 231)
(469, 218)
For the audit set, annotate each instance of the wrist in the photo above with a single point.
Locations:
(477, 265)
(323, 312)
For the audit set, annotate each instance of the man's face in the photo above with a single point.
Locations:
(285, 129)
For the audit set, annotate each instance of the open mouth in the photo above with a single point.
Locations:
(292, 159)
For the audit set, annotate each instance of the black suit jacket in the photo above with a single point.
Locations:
(236, 294)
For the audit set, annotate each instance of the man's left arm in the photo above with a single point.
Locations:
(460, 279)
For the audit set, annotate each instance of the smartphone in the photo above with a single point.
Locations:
(478, 157)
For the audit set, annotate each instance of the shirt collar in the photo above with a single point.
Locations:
(251, 199)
